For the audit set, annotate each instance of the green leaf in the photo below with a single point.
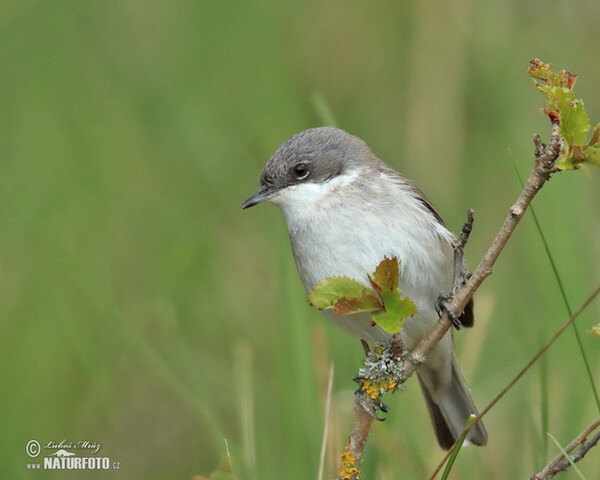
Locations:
(397, 309)
(344, 296)
(559, 98)
(385, 281)
(574, 123)
(565, 163)
(387, 274)
(562, 108)
(367, 302)
(541, 71)
(330, 289)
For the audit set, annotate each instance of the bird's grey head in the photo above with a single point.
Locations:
(313, 156)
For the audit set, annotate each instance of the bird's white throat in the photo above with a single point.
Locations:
(302, 202)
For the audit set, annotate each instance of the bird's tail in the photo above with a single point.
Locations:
(450, 412)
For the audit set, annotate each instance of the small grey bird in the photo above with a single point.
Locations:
(346, 210)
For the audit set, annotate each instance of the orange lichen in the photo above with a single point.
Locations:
(376, 389)
(348, 468)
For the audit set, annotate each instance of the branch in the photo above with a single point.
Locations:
(560, 462)
(364, 406)
(541, 351)
(460, 275)
(545, 158)
(380, 365)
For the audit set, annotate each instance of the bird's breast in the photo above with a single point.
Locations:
(337, 240)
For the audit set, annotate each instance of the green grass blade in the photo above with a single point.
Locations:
(455, 452)
(567, 456)
(562, 291)
(543, 364)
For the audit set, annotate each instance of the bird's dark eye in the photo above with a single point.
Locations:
(300, 171)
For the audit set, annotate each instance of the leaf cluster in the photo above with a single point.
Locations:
(345, 296)
(568, 112)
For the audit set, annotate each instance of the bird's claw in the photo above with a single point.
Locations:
(370, 405)
(441, 305)
(365, 346)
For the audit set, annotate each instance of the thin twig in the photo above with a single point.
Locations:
(560, 462)
(364, 406)
(563, 293)
(579, 454)
(545, 158)
(459, 248)
(543, 168)
(520, 374)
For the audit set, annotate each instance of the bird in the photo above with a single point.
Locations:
(346, 210)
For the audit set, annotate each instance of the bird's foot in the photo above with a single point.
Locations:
(441, 305)
(370, 404)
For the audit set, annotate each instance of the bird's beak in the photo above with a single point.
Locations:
(262, 194)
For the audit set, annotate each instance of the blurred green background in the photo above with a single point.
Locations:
(142, 310)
